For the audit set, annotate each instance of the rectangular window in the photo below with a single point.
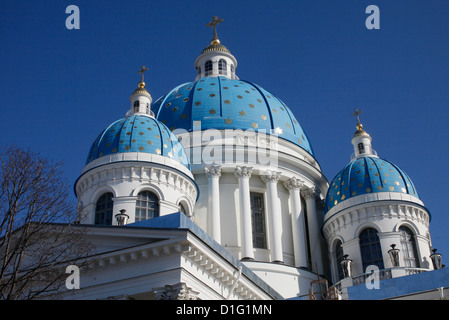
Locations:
(258, 220)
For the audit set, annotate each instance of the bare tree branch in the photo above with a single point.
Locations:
(37, 233)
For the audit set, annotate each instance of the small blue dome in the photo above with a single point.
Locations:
(138, 133)
(368, 175)
(222, 103)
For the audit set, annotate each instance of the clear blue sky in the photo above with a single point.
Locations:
(60, 87)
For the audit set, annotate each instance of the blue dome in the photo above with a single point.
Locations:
(368, 175)
(138, 133)
(222, 103)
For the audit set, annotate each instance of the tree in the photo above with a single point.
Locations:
(39, 235)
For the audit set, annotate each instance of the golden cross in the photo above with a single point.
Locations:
(213, 24)
(356, 113)
(141, 71)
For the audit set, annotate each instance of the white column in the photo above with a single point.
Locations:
(298, 230)
(214, 173)
(314, 229)
(243, 174)
(271, 179)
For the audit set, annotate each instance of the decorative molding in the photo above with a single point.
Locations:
(271, 176)
(213, 171)
(311, 193)
(293, 183)
(178, 291)
(243, 172)
(373, 214)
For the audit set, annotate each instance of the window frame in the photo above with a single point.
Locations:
(208, 68)
(147, 205)
(258, 220)
(370, 248)
(408, 247)
(222, 67)
(103, 216)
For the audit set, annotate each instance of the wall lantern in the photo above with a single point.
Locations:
(394, 255)
(121, 217)
(347, 266)
(436, 259)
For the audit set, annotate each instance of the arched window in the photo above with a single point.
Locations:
(370, 249)
(208, 68)
(136, 106)
(103, 209)
(147, 206)
(222, 67)
(408, 245)
(339, 258)
(258, 220)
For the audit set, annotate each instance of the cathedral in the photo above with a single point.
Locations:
(213, 192)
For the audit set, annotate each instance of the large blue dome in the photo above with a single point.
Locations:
(368, 175)
(138, 133)
(222, 103)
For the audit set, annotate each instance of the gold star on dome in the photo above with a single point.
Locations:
(212, 111)
(227, 101)
(254, 125)
(242, 113)
(158, 151)
(228, 121)
(264, 117)
(278, 130)
(251, 106)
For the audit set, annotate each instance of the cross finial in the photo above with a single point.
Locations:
(213, 24)
(356, 113)
(142, 71)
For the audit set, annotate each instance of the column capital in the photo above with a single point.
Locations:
(243, 172)
(293, 183)
(310, 193)
(270, 176)
(213, 171)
